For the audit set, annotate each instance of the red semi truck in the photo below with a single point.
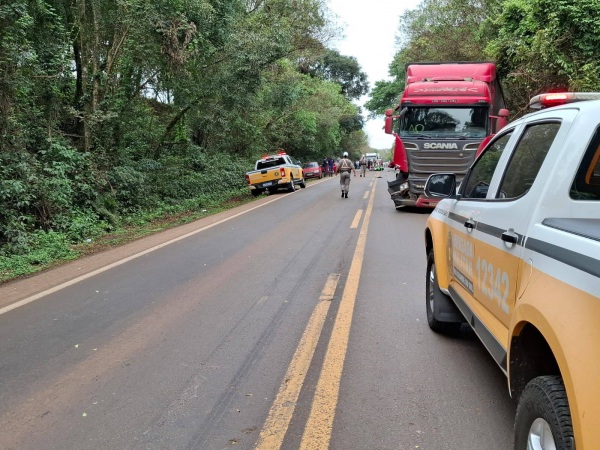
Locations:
(446, 111)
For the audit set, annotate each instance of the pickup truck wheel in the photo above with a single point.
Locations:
(291, 187)
(435, 295)
(543, 419)
(303, 183)
(256, 192)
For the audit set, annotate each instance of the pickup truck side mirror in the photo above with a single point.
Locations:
(441, 185)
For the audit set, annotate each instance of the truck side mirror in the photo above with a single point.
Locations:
(389, 121)
(502, 119)
(441, 185)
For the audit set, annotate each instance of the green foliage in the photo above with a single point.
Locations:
(344, 70)
(38, 191)
(385, 95)
(45, 249)
(117, 112)
(538, 45)
(543, 45)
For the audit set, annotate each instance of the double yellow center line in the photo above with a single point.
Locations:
(317, 432)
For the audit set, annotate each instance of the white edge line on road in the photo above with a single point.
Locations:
(35, 297)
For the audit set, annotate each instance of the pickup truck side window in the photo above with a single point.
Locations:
(586, 185)
(476, 186)
(527, 159)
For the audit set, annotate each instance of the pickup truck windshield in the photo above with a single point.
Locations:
(451, 123)
(268, 163)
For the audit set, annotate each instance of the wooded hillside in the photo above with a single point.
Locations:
(112, 109)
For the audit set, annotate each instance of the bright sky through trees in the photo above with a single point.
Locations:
(369, 29)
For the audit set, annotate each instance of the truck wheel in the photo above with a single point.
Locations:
(256, 192)
(543, 419)
(436, 298)
(291, 187)
(303, 183)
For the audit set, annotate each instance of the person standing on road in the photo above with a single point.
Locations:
(330, 165)
(363, 166)
(344, 167)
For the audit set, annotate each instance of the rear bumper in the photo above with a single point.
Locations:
(419, 202)
(427, 202)
(402, 196)
(273, 184)
(312, 175)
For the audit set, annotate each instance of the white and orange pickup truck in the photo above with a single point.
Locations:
(273, 172)
(514, 252)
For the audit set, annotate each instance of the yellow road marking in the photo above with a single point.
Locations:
(317, 433)
(280, 415)
(366, 195)
(356, 219)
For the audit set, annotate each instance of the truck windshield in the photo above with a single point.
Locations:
(452, 123)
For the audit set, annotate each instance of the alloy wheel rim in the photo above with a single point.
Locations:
(540, 436)
(431, 281)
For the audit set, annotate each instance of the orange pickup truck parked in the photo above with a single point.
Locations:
(273, 172)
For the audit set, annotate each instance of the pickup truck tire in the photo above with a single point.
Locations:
(543, 418)
(291, 187)
(303, 183)
(437, 301)
(256, 192)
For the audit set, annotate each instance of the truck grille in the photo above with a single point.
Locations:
(423, 163)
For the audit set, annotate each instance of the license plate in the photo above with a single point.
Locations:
(268, 183)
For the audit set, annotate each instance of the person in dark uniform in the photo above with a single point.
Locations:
(345, 166)
(330, 165)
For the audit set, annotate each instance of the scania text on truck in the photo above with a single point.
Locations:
(445, 112)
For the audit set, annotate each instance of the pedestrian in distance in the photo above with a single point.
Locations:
(344, 168)
(330, 165)
(363, 166)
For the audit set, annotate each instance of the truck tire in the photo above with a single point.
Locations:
(256, 192)
(303, 183)
(291, 187)
(543, 418)
(436, 301)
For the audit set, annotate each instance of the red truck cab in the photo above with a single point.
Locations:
(444, 114)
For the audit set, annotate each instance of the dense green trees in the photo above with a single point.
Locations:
(111, 107)
(539, 45)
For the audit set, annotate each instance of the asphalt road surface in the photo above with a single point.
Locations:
(297, 321)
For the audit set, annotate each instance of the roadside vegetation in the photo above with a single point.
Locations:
(120, 118)
(538, 45)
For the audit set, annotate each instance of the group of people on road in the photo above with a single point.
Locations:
(328, 166)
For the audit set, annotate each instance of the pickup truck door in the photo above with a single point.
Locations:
(469, 264)
(496, 224)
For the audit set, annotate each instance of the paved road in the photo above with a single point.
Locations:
(295, 322)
